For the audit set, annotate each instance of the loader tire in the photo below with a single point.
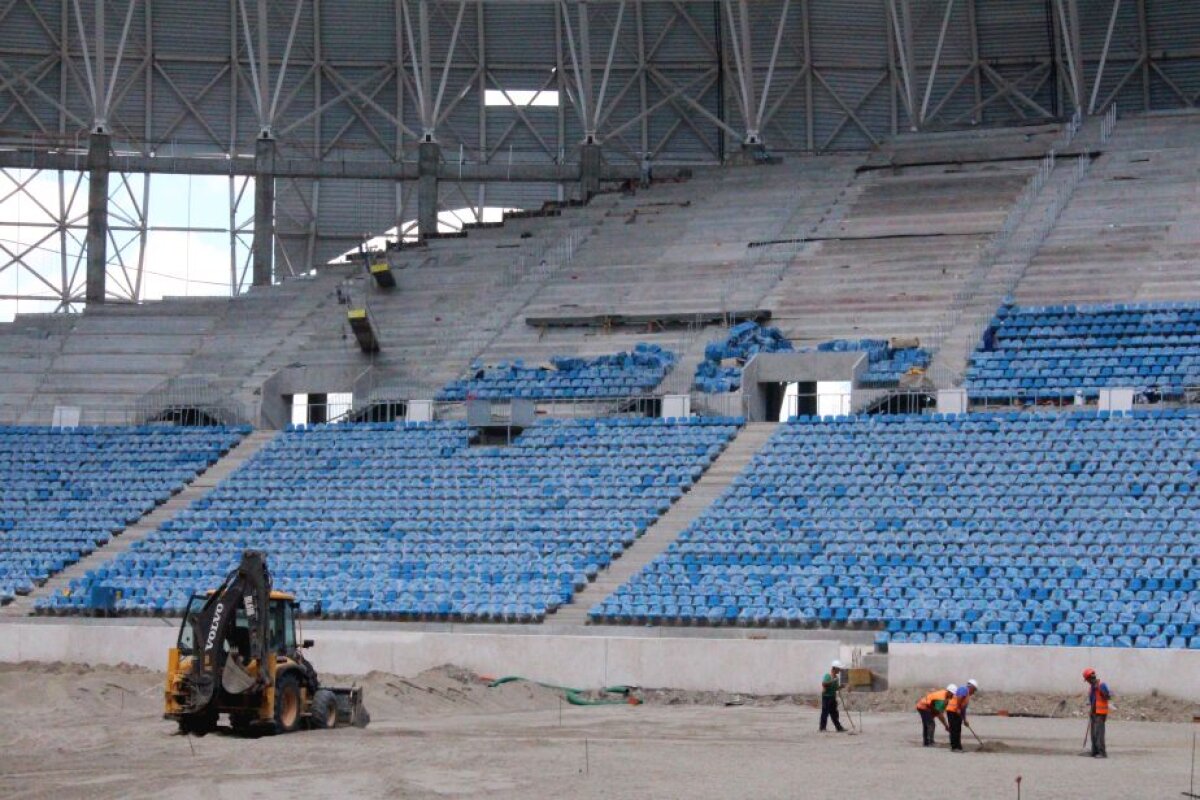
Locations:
(288, 711)
(324, 710)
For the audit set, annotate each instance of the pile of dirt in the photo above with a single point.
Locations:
(446, 689)
(92, 690)
(451, 689)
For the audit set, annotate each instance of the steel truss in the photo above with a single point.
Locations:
(329, 104)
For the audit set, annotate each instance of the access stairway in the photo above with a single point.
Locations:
(659, 536)
(244, 451)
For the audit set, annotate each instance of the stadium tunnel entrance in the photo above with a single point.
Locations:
(781, 385)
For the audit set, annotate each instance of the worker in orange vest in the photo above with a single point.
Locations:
(956, 712)
(1098, 697)
(933, 706)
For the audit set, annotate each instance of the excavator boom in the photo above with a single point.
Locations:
(214, 666)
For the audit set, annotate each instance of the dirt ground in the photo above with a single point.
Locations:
(79, 732)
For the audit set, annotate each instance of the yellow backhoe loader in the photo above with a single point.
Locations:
(238, 654)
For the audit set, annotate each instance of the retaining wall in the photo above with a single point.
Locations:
(752, 666)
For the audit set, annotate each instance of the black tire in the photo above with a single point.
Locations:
(200, 723)
(288, 709)
(324, 710)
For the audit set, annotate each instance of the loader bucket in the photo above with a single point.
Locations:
(350, 708)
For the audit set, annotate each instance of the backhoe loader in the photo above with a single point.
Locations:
(238, 654)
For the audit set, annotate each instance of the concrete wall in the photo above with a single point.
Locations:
(758, 666)
(792, 367)
(761, 666)
(1046, 669)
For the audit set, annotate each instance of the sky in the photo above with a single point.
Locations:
(187, 263)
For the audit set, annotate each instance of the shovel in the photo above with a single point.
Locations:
(982, 746)
(849, 716)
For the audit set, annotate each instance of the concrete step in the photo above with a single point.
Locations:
(658, 537)
(204, 482)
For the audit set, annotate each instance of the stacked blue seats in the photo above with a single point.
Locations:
(569, 378)
(66, 491)
(885, 364)
(1062, 351)
(1051, 528)
(411, 521)
(716, 375)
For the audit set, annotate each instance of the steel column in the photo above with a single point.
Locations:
(99, 153)
(264, 211)
(429, 156)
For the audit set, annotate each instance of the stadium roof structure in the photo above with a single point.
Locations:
(357, 116)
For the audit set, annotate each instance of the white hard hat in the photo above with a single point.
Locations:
(952, 687)
(973, 683)
(836, 664)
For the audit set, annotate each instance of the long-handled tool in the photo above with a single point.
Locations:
(982, 746)
(1087, 732)
(849, 716)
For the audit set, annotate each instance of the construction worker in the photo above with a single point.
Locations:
(956, 712)
(1098, 697)
(831, 683)
(933, 706)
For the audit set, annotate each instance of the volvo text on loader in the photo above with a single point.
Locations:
(238, 654)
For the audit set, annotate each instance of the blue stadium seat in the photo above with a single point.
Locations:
(1020, 528)
(65, 492)
(394, 520)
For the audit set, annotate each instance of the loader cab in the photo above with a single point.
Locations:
(281, 618)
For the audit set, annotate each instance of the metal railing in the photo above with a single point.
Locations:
(189, 400)
(516, 285)
(1070, 130)
(1000, 245)
(1108, 124)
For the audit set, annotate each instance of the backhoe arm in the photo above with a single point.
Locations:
(248, 587)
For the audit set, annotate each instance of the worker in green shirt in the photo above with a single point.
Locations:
(830, 684)
(933, 707)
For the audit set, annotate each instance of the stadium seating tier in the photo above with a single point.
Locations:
(1040, 529)
(412, 521)
(1064, 350)
(66, 491)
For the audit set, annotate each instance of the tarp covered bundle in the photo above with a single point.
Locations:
(721, 370)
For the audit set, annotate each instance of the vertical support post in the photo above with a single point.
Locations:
(747, 76)
(1076, 45)
(909, 62)
(972, 22)
(589, 171)
(808, 78)
(644, 125)
(429, 155)
(1144, 46)
(264, 211)
(585, 66)
(97, 230)
(97, 216)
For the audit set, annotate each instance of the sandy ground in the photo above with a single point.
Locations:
(76, 732)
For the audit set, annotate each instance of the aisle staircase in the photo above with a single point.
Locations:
(244, 451)
(715, 480)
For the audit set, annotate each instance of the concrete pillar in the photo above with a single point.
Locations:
(97, 229)
(428, 157)
(264, 211)
(589, 171)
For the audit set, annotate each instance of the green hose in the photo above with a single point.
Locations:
(578, 697)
